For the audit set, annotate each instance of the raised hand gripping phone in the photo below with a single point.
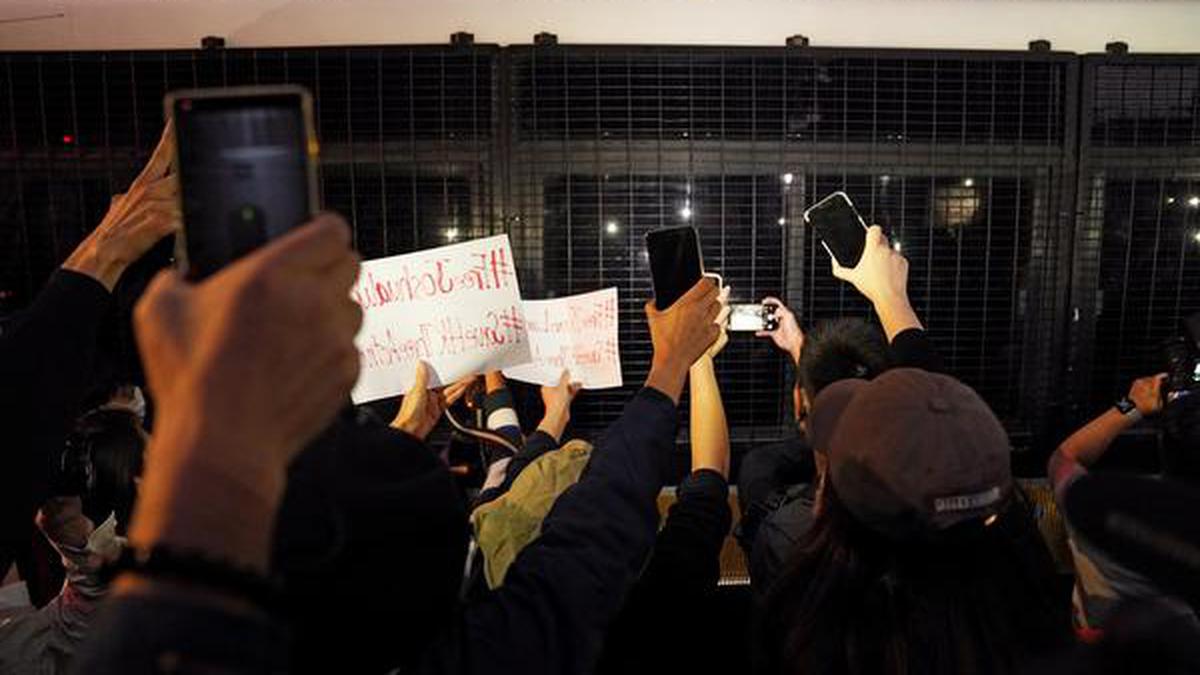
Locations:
(247, 164)
(675, 262)
(843, 232)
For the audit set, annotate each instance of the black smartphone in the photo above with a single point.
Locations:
(246, 159)
(675, 262)
(843, 232)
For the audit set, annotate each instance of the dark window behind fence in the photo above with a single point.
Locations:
(1137, 267)
(1049, 203)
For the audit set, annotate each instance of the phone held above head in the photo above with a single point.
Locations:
(247, 164)
(842, 230)
(676, 263)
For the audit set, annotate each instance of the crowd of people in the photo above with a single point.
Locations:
(239, 515)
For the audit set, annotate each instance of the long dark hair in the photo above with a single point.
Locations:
(976, 598)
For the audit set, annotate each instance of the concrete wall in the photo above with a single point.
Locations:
(1073, 25)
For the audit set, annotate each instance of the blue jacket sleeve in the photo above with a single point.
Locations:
(499, 409)
(686, 559)
(672, 601)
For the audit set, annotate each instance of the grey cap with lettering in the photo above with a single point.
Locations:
(912, 452)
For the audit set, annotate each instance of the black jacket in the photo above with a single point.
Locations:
(669, 614)
(369, 540)
(776, 492)
(47, 361)
(559, 596)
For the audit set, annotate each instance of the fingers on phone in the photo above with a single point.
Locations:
(160, 159)
(723, 314)
(712, 331)
(706, 286)
(839, 272)
(704, 291)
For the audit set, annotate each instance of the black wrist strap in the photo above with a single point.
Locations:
(197, 568)
(1127, 407)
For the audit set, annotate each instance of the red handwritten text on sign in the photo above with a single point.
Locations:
(577, 333)
(434, 277)
(457, 307)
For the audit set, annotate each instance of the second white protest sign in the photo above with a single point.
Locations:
(577, 333)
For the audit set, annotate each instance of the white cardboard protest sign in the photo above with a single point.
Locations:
(578, 333)
(457, 307)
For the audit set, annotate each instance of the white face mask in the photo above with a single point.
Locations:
(103, 546)
(104, 541)
(139, 404)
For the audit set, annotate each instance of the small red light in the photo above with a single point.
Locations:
(68, 139)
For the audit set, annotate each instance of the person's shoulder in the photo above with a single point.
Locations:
(780, 534)
(362, 446)
(792, 445)
(791, 519)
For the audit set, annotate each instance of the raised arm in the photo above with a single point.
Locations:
(708, 430)
(881, 275)
(563, 591)
(556, 402)
(686, 559)
(788, 336)
(548, 436)
(499, 409)
(246, 367)
(668, 607)
(1088, 444)
(47, 357)
(136, 220)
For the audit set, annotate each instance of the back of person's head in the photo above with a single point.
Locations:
(840, 349)
(924, 557)
(111, 442)
(979, 597)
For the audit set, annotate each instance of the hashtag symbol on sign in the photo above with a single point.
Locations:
(500, 265)
(511, 321)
